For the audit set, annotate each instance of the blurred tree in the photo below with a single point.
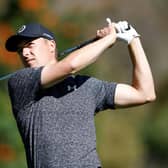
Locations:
(119, 142)
(6, 58)
(155, 129)
(31, 5)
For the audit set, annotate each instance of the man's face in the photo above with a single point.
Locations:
(37, 52)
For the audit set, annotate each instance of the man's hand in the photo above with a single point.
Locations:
(125, 31)
(110, 30)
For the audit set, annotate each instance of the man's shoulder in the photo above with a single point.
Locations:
(24, 72)
(24, 77)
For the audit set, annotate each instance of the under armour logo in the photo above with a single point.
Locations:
(71, 88)
(22, 29)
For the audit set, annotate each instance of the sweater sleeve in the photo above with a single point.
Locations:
(105, 96)
(23, 87)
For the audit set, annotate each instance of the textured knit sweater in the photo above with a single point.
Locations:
(57, 124)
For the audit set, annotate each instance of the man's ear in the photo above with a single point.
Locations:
(52, 44)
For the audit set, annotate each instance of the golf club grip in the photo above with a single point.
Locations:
(69, 50)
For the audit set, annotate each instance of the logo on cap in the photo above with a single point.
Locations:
(22, 29)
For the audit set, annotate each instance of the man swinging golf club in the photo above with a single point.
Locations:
(54, 109)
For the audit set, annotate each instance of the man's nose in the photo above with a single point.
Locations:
(25, 51)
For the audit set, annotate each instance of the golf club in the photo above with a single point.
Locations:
(67, 51)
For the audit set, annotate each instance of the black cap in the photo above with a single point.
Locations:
(27, 32)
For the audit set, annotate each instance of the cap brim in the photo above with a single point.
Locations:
(13, 42)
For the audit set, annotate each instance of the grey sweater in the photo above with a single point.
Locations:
(57, 124)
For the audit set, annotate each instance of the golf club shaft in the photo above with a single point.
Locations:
(69, 50)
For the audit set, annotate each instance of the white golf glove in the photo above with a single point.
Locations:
(125, 31)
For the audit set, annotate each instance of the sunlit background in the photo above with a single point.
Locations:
(129, 138)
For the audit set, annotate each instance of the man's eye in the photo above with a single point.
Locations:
(30, 44)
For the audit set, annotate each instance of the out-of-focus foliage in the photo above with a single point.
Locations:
(130, 138)
(155, 130)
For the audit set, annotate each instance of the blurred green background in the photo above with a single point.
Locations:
(127, 138)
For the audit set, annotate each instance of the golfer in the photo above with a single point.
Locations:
(54, 108)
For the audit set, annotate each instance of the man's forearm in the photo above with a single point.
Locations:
(89, 54)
